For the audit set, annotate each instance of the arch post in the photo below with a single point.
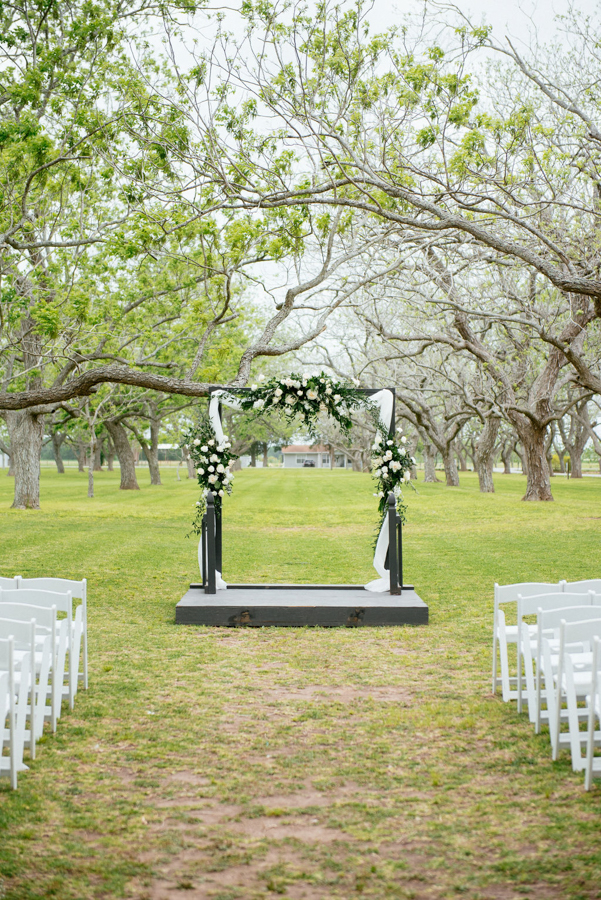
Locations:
(395, 547)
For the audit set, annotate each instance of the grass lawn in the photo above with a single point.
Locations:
(309, 763)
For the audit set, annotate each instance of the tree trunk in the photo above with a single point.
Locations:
(110, 457)
(57, 441)
(81, 456)
(97, 456)
(506, 458)
(532, 438)
(189, 462)
(450, 467)
(265, 456)
(26, 436)
(124, 454)
(484, 456)
(92, 465)
(429, 464)
(462, 461)
(253, 456)
(151, 451)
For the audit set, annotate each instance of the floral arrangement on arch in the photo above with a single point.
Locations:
(306, 397)
(213, 462)
(391, 464)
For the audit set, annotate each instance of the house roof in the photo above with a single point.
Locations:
(305, 448)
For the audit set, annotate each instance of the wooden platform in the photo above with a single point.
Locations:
(330, 606)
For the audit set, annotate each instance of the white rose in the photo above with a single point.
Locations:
(356, 382)
(221, 493)
(258, 404)
(311, 394)
(328, 390)
(254, 387)
(323, 381)
(299, 393)
(275, 400)
(291, 400)
(378, 473)
(323, 407)
(212, 479)
(220, 468)
(212, 441)
(278, 392)
(214, 458)
(388, 454)
(337, 397)
(407, 475)
(211, 468)
(226, 480)
(289, 382)
(261, 377)
(200, 471)
(384, 470)
(389, 443)
(380, 493)
(378, 460)
(196, 442)
(205, 449)
(403, 440)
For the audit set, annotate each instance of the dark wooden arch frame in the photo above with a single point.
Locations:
(212, 524)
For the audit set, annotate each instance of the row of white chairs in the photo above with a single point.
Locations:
(558, 662)
(41, 640)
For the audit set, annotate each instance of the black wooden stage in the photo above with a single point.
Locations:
(331, 605)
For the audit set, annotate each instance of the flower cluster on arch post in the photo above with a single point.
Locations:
(391, 465)
(213, 464)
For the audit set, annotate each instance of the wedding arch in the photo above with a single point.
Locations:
(305, 398)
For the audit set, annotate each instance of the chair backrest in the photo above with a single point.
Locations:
(24, 612)
(58, 585)
(23, 632)
(551, 619)
(508, 593)
(578, 632)
(529, 606)
(39, 597)
(591, 584)
(9, 584)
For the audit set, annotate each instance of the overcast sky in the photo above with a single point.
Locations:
(513, 17)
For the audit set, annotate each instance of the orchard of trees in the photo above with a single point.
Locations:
(191, 197)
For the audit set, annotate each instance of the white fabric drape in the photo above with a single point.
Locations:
(217, 397)
(385, 401)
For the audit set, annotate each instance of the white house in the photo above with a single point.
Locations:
(299, 456)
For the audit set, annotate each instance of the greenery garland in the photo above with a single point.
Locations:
(305, 397)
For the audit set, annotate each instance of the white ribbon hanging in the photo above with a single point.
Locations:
(385, 401)
(217, 397)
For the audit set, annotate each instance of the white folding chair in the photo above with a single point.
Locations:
(13, 734)
(529, 606)
(23, 635)
(504, 634)
(548, 623)
(593, 763)
(572, 682)
(38, 642)
(63, 604)
(78, 590)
